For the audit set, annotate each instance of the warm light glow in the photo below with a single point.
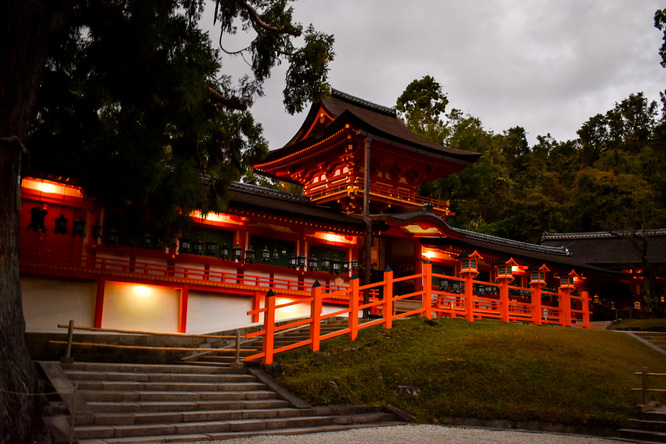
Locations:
(332, 237)
(429, 254)
(143, 291)
(213, 217)
(514, 268)
(47, 187)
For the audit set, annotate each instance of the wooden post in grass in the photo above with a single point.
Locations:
(469, 297)
(427, 289)
(388, 298)
(353, 307)
(269, 328)
(315, 316)
(585, 300)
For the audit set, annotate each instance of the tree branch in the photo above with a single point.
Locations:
(257, 20)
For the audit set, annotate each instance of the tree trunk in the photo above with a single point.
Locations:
(28, 29)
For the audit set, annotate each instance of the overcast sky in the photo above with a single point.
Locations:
(545, 65)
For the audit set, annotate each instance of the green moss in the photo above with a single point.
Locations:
(485, 369)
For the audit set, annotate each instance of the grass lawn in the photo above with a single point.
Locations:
(485, 369)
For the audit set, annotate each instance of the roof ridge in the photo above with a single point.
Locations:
(364, 103)
(562, 251)
(258, 189)
(599, 234)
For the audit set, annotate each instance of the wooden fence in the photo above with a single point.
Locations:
(415, 295)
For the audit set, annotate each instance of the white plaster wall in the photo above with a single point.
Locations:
(49, 302)
(140, 307)
(207, 313)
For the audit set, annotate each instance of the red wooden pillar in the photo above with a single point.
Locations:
(504, 300)
(536, 304)
(99, 303)
(585, 300)
(388, 298)
(353, 308)
(565, 306)
(256, 304)
(427, 289)
(182, 314)
(269, 328)
(469, 297)
(315, 315)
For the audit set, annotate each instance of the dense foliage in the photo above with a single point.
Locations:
(609, 178)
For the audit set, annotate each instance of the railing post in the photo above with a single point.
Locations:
(388, 298)
(585, 300)
(353, 307)
(427, 289)
(269, 328)
(644, 392)
(70, 337)
(315, 316)
(237, 353)
(565, 306)
(469, 297)
(536, 304)
(504, 300)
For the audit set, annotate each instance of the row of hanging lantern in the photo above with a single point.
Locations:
(38, 214)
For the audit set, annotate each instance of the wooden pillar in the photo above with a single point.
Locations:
(269, 328)
(536, 304)
(182, 315)
(504, 300)
(353, 308)
(427, 289)
(388, 298)
(469, 297)
(315, 316)
(565, 306)
(256, 304)
(99, 303)
(585, 300)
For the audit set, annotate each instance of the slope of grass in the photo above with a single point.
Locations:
(650, 324)
(486, 370)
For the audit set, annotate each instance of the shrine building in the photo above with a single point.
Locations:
(360, 169)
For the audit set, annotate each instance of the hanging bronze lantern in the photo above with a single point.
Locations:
(224, 251)
(79, 227)
(112, 238)
(61, 225)
(197, 247)
(37, 215)
(210, 248)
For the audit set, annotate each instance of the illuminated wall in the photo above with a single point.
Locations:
(208, 313)
(140, 307)
(49, 302)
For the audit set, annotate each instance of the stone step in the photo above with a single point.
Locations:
(183, 406)
(235, 435)
(641, 435)
(174, 417)
(82, 375)
(127, 385)
(212, 428)
(643, 424)
(170, 396)
(146, 368)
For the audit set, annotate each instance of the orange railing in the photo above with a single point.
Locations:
(119, 267)
(561, 308)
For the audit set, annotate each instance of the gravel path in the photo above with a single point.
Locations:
(421, 434)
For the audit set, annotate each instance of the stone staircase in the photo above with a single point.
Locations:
(649, 427)
(252, 346)
(657, 339)
(141, 403)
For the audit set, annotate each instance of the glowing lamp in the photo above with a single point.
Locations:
(336, 267)
(345, 267)
(266, 254)
(354, 264)
(293, 262)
